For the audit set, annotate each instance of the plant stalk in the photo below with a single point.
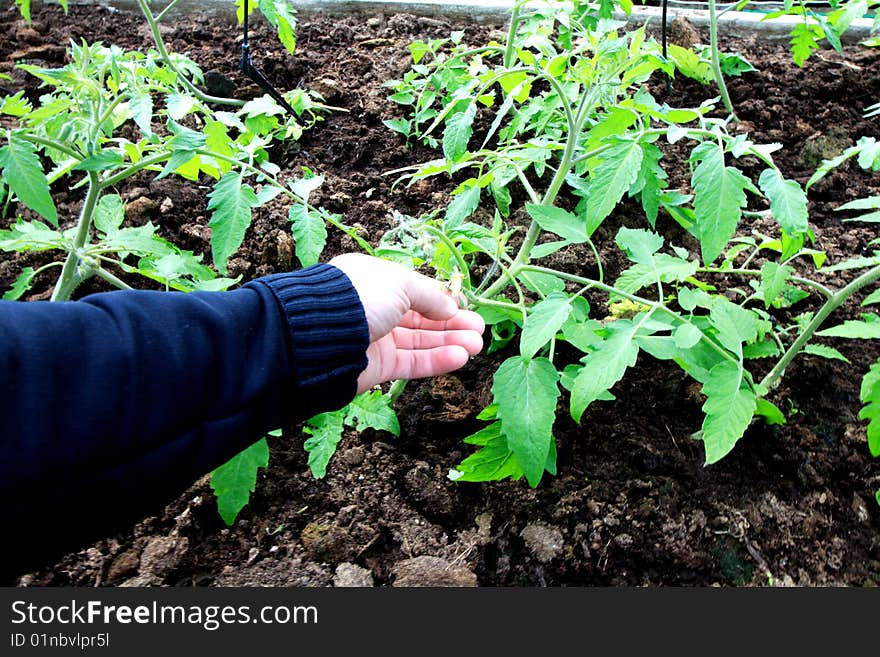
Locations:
(69, 278)
(833, 302)
(166, 57)
(716, 59)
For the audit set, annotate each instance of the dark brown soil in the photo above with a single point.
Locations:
(632, 504)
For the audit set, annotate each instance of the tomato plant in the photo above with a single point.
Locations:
(572, 122)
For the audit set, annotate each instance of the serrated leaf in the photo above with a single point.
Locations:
(30, 236)
(870, 397)
(610, 180)
(559, 221)
(309, 234)
(735, 324)
(326, 432)
(543, 322)
(179, 105)
(494, 462)
(526, 391)
(605, 366)
(458, 131)
(773, 279)
(770, 412)
(867, 328)
(372, 410)
(140, 102)
(110, 213)
(23, 173)
(21, 285)
(234, 481)
(872, 298)
(788, 202)
(825, 352)
(303, 187)
(729, 408)
(719, 197)
(462, 205)
(230, 203)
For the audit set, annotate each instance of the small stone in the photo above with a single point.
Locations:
(162, 554)
(352, 575)
(166, 205)
(428, 571)
(141, 209)
(544, 542)
(624, 541)
(124, 566)
(253, 553)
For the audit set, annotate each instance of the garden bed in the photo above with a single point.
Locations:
(633, 503)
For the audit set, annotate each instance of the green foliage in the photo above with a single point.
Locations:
(369, 410)
(234, 481)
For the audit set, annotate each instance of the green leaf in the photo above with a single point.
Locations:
(234, 481)
(543, 322)
(605, 366)
(825, 352)
(463, 205)
(326, 432)
(526, 391)
(651, 267)
(870, 396)
(104, 160)
(773, 279)
(867, 328)
(459, 128)
(804, 40)
(718, 202)
(872, 298)
(31, 236)
(729, 407)
(23, 173)
(372, 410)
(686, 336)
(770, 412)
(610, 180)
(309, 234)
(140, 102)
(109, 214)
(788, 202)
(494, 462)
(179, 105)
(559, 221)
(230, 203)
(21, 285)
(735, 324)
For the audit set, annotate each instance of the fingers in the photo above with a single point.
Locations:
(417, 364)
(427, 297)
(461, 320)
(418, 339)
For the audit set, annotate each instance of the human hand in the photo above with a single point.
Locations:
(416, 329)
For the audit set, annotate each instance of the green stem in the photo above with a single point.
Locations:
(112, 279)
(51, 143)
(716, 59)
(511, 34)
(833, 302)
(69, 278)
(162, 13)
(654, 305)
(166, 57)
(828, 292)
(147, 162)
(396, 389)
(459, 259)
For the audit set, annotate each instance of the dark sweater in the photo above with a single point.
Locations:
(114, 404)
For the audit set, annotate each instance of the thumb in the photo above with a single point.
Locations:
(427, 297)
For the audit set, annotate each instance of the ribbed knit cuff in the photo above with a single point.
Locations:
(329, 335)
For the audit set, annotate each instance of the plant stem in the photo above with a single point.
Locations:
(51, 143)
(755, 272)
(654, 305)
(69, 278)
(833, 302)
(459, 259)
(716, 59)
(162, 13)
(163, 53)
(396, 389)
(511, 34)
(134, 168)
(112, 279)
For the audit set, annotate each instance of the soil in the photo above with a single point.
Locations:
(633, 504)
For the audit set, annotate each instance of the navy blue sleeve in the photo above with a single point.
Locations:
(114, 404)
